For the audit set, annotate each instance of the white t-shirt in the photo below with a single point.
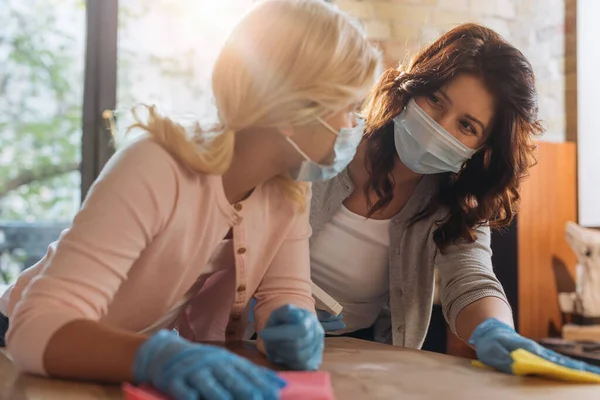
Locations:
(350, 261)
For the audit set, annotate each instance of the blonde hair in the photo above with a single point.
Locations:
(286, 63)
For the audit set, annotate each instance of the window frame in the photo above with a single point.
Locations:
(100, 87)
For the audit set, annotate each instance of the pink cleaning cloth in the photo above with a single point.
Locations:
(300, 386)
(307, 385)
(141, 393)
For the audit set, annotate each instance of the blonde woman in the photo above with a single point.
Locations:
(175, 209)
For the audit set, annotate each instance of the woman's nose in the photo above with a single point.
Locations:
(445, 120)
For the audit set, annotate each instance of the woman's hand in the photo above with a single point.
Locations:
(494, 341)
(329, 322)
(294, 337)
(186, 370)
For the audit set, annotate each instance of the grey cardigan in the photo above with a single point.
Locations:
(465, 269)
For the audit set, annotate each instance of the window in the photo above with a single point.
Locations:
(166, 50)
(42, 47)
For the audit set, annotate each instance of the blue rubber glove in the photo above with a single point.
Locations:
(293, 337)
(329, 322)
(494, 341)
(185, 370)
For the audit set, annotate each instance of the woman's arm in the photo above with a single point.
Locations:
(469, 289)
(53, 328)
(287, 281)
(475, 313)
(96, 352)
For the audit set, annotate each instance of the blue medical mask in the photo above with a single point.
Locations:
(345, 147)
(425, 146)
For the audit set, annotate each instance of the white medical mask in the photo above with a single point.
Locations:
(345, 146)
(424, 146)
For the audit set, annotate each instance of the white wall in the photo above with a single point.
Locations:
(588, 104)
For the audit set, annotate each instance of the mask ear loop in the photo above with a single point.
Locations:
(298, 149)
(326, 125)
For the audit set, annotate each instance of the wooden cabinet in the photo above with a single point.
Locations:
(525, 254)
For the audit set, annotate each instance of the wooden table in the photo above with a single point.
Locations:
(359, 370)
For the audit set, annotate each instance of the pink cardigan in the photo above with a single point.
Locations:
(139, 243)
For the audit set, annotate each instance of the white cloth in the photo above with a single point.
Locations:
(221, 258)
(350, 261)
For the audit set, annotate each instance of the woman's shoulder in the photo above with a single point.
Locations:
(145, 156)
(143, 169)
(144, 150)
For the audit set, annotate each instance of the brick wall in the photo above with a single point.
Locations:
(543, 30)
(571, 69)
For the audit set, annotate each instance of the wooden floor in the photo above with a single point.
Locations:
(359, 370)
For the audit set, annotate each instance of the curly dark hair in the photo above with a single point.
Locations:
(486, 190)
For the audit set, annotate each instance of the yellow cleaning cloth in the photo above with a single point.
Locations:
(526, 363)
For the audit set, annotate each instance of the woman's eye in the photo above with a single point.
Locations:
(434, 99)
(467, 126)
